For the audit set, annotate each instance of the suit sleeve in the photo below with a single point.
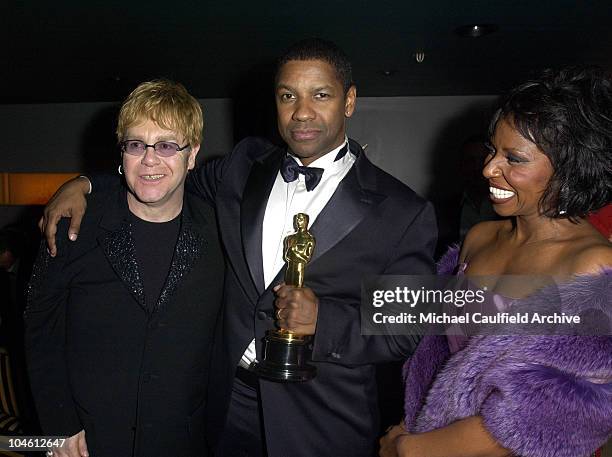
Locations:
(45, 320)
(205, 179)
(103, 182)
(338, 337)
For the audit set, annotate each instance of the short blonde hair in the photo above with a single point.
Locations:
(166, 103)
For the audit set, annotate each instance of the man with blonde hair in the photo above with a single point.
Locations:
(120, 323)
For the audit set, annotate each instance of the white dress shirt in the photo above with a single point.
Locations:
(288, 199)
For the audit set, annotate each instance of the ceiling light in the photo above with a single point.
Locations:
(476, 30)
(388, 72)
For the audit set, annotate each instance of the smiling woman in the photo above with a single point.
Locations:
(517, 170)
(548, 167)
(550, 164)
(567, 117)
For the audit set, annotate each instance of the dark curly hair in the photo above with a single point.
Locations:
(567, 114)
(319, 49)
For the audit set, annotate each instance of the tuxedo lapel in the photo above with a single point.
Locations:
(349, 204)
(252, 210)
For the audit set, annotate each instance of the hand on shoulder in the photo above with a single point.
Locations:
(68, 202)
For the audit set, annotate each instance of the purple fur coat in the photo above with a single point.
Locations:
(539, 396)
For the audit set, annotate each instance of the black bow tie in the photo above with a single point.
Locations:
(290, 171)
(312, 175)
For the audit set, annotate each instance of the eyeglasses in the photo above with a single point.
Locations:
(161, 148)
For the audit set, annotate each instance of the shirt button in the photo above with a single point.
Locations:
(262, 316)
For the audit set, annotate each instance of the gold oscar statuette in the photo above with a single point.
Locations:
(286, 353)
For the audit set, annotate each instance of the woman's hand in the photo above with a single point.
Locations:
(389, 442)
(466, 437)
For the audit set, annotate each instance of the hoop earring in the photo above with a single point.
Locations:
(120, 169)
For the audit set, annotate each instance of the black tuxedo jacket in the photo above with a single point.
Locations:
(373, 225)
(135, 381)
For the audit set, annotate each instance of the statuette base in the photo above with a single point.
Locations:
(285, 358)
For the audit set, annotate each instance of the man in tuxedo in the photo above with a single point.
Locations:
(365, 222)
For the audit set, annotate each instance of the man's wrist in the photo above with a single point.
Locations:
(89, 186)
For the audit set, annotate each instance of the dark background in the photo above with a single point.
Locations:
(75, 51)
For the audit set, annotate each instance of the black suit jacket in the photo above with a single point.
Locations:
(134, 380)
(372, 225)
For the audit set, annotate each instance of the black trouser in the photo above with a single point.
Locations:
(243, 433)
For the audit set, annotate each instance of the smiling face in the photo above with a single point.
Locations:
(312, 108)
(518, 172)
(156, 184)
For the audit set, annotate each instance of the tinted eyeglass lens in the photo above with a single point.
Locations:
(162, 148)
(134, 147)
(166, 148)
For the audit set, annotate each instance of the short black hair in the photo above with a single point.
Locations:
(319, 49)
(567, 114)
